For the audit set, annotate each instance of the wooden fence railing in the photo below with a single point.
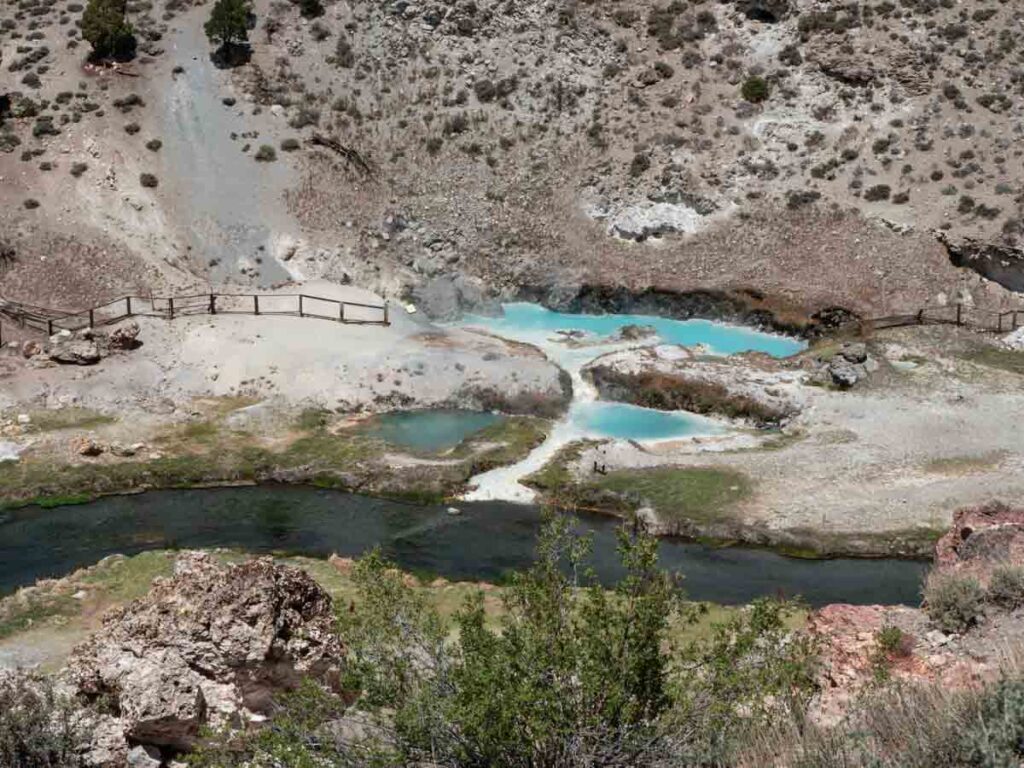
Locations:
(956, 314)
(51, 321)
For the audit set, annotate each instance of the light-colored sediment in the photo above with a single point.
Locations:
(936, 427)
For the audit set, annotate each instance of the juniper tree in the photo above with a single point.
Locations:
(107, 29)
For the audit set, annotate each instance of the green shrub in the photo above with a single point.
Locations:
(310, 9)
(37, 729)
(893, 640)
(228, 24)
(105, 27)
(290, 145)
(77, 169)
(265, 154)
(148, 180)
(996, 736)
(1006, 587)
(755, 89)
(953, 602)
(877, 193)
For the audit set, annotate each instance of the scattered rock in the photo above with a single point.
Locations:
(850, 364)
(635, 332)
(86, 446)
(125, 336)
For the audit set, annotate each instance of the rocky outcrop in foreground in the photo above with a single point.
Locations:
(208, 646)
(863, 644)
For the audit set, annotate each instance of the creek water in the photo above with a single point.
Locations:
(484, 542)
(574, 340)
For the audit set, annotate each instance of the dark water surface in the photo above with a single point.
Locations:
(486, 541)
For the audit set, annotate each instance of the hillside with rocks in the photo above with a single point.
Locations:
(568, 151)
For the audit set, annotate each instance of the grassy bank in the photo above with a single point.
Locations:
(73, 605)
(705, 504)
(209, 452)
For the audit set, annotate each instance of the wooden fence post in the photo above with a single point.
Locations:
(920, 316)
(127, 306)
(92, 319)
(300, 305)
(213, 304)
(256, 303)
(170, 308)
(386, 314)
(49, 327)
(959, 314)
(341, 311)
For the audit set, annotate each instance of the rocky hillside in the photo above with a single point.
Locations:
(448, 149)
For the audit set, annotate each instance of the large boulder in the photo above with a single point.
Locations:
(209, 646)
(75, 351)
(124, 336)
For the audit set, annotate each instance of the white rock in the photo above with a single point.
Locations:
(640, 222)
(144, 757)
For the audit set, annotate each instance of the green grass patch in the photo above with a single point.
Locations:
(67, 418)
(958, 466)
(49, 502)
(994, 357)
(699, 494)
(516, 436)
(18, 614)
(111, 582)
(554, 478)
(313, 419)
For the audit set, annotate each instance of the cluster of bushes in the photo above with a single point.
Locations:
(955, 602)
(573, 675)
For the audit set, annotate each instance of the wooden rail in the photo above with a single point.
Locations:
(50, 321)
(956, 314)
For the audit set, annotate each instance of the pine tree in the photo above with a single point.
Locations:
(228, 24)
(105, 27)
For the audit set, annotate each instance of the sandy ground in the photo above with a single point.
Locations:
(303, 361)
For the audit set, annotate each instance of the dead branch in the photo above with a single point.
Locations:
(352, 157)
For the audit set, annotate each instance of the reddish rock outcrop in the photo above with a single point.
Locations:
(982, 537)
(849, 635)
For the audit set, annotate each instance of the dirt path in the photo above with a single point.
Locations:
(230, 205)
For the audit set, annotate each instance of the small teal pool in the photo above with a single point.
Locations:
(631, 422)
(434, 431)
(522, 319)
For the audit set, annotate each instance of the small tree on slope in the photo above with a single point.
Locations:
(105, 27)
(228, 24)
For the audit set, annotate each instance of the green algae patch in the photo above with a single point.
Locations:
(1010, 360)
(679, 494)
(555, 479)
(69, 604)
(67, 418)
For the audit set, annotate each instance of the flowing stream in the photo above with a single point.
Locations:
(572, 341)
(484, 542)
